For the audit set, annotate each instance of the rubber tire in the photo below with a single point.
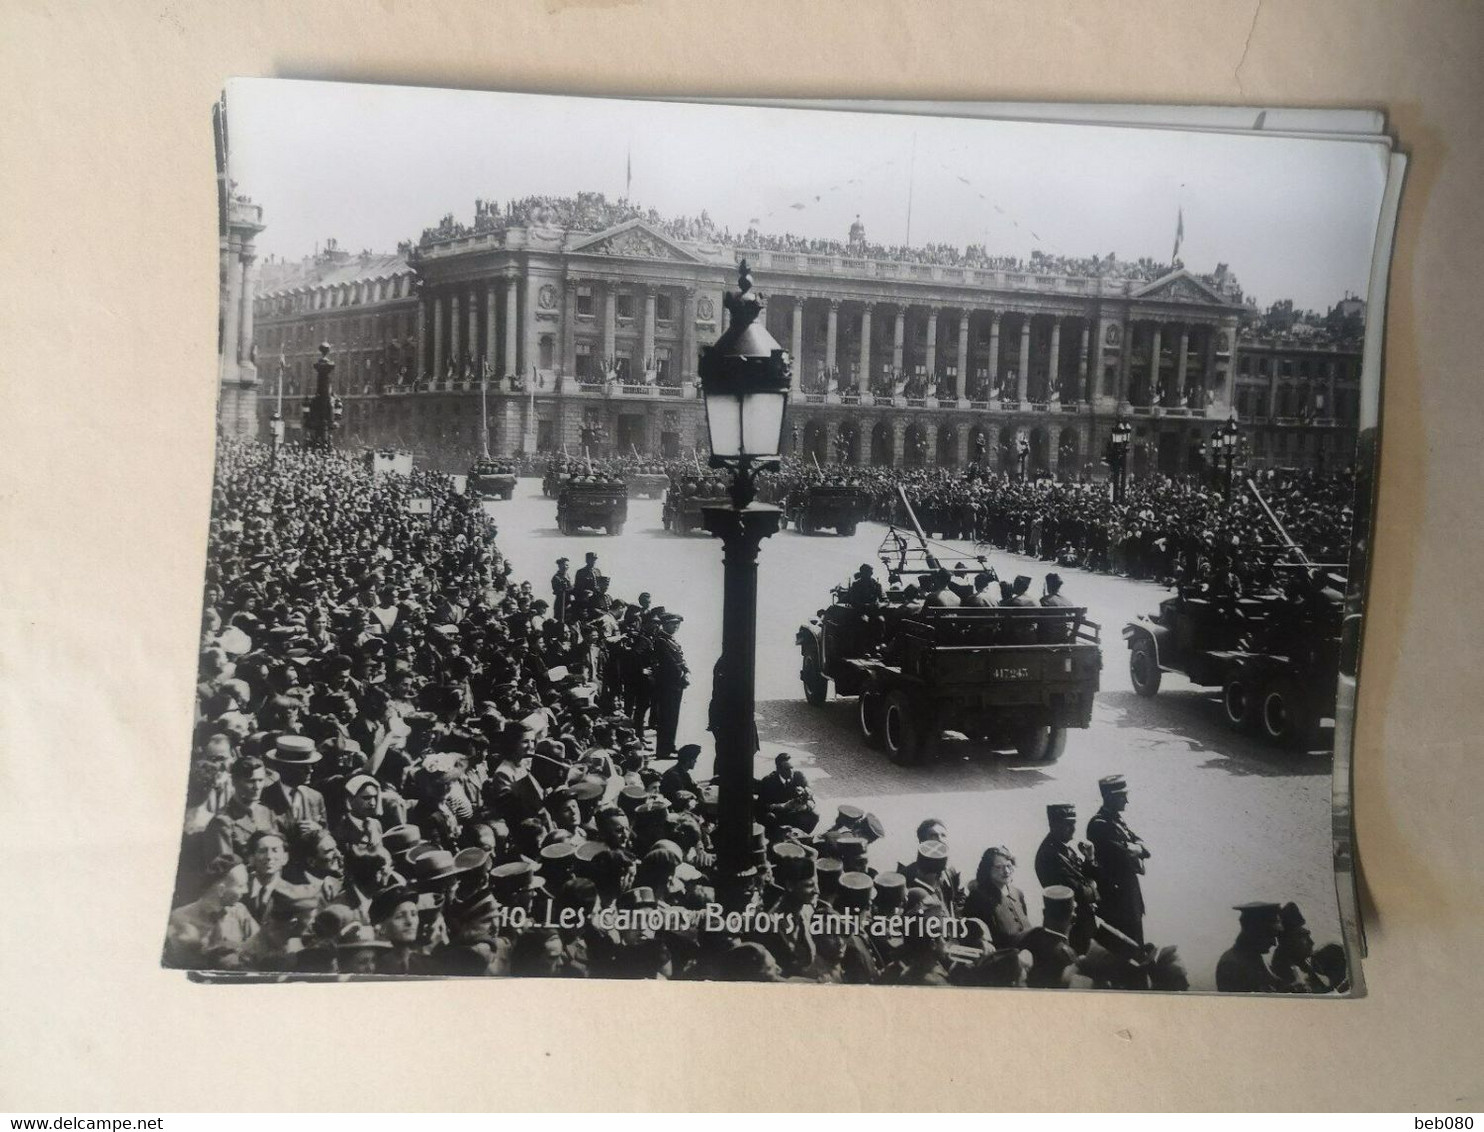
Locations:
(816, 685)
(846, 530)
(1284, 716)
(1143, 669)
(870, 713)
(807, 528)
(1238, 702)
(615, 529)
(1042, 744)
(904, 733)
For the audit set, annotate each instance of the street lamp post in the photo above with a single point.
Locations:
(1230, 435)
(1118, 442)
(745, 385)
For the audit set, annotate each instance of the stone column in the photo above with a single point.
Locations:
(1023, 376)
(796, 335)
(994, 350)
(1053, 372)
(232, 315)
(899, 337)
(863, 378)
(455, 331)
(690, 359)
(512, 325)
(491, 339)
(247, 370)
(529, 329)
(438, 362)
(1330, 408)
(1084, 389)
(1178, 396)
(930, 361)
(863, 430)
(422, 358)
(898, 442)
(472, 311)
(1154, 361)
(832, 335)
(610, 324)
(960, 384)
(646, 346)
(1125, 356)
(569, 330)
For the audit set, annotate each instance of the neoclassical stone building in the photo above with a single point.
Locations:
(896, 362)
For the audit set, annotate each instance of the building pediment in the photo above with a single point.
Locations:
(1180, 286)
(634, 239)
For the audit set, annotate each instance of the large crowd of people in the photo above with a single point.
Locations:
(406, 761)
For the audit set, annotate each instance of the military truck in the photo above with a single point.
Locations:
(682, 513)
(492, 479)
(820, 507)
(592, 504)
(1011, 678)
(1275, 656)
(646, 483)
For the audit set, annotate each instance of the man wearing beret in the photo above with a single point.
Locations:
(1120, 856)
(1242, 967)
(1059, 862)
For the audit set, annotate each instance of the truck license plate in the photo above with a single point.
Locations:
(1012, 673)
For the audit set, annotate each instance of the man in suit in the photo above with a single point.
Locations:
(784, 798)
(1120, 856)
(585, 584)
(671, 677)
(1060, 863)
(293, 802)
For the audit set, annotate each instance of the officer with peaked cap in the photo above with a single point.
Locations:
(1059, 862)
(670, 678)
(1242, 967)
(1120, 856)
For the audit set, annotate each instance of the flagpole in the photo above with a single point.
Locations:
(911, 179)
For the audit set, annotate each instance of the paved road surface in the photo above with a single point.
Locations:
(1227, 818)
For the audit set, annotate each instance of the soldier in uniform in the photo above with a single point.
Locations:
(561, 587)
(1242, 967)
(864, 588)
(1120, 857)
(585, 585)
(671, 676)
(1053, 597)
(1059, 862)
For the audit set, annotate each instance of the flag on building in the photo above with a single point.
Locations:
(1179, 235)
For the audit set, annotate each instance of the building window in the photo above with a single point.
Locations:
(662, 365)
(663, 310)
(585, 302)
(586, 371)
(623, 304)
(1262, 367)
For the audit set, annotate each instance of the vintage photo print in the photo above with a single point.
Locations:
(659, 540)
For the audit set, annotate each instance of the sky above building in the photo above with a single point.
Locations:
(371, 165)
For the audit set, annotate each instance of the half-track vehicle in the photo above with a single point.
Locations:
(492, 479)
(592, 504)
(1275, 656)
(822, 507)
(1012, 678)
(647, 483)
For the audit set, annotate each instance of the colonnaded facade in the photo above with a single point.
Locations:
(896, 362)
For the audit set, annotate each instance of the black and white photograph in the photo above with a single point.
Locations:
(690, 541)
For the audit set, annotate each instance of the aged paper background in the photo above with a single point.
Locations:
(108, 372)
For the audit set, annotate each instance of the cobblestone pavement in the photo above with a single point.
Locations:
(1228, 819)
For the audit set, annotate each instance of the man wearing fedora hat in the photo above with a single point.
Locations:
(1120, 856)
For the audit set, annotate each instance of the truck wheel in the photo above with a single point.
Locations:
(872, 719)
(846, 530)
(905, 731)
(816, 686)
(1285, 717)
(1042, 744)
(1143, 669)
(1237, 697)
(615, 529)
